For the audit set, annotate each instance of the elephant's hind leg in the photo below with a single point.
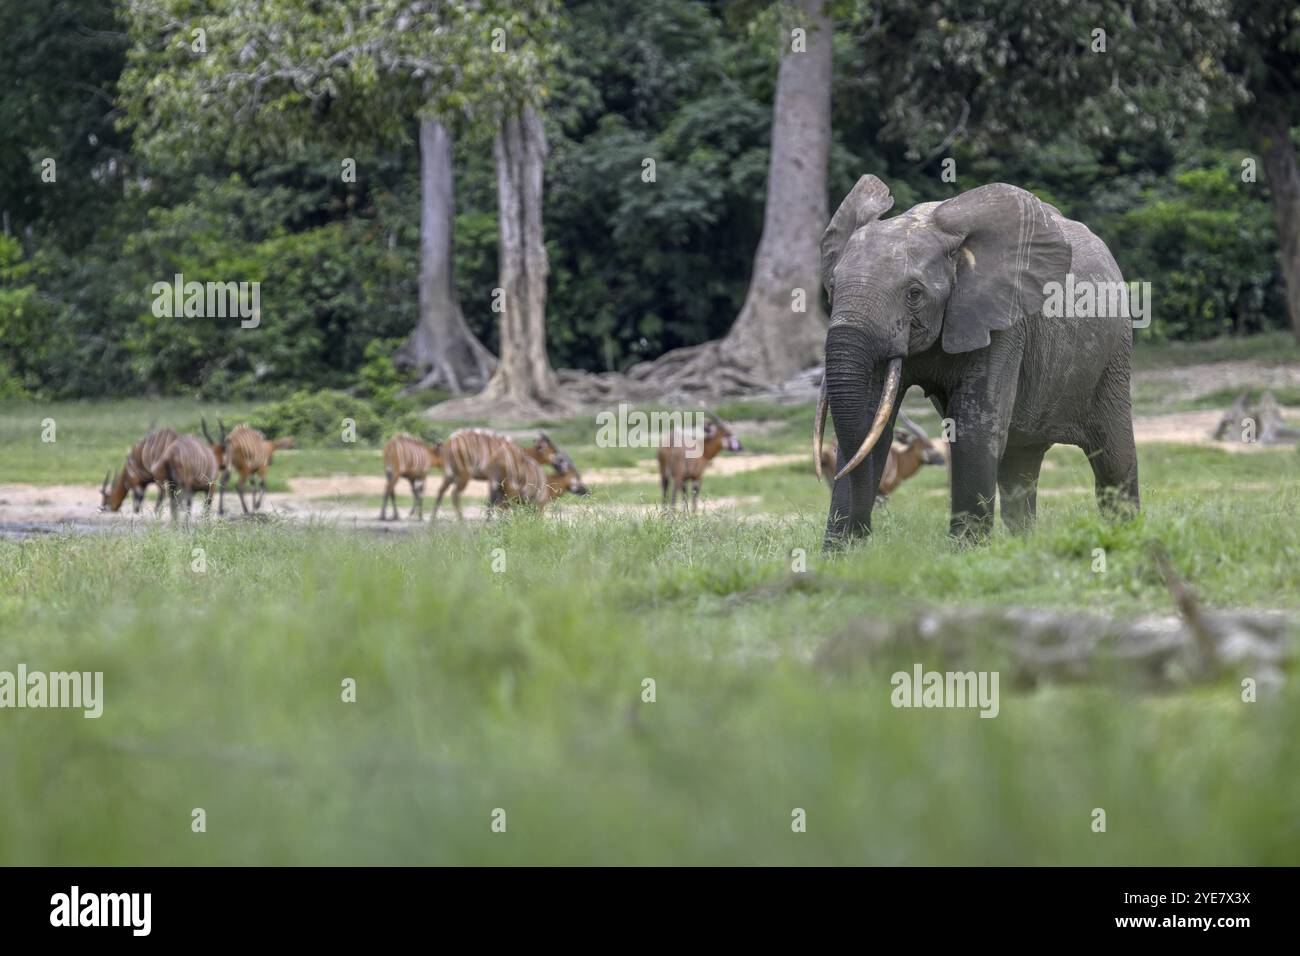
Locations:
(1114, 468)
(1018, 486)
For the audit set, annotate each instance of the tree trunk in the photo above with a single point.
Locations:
(524, 376)
(770, 339)
(442, 346)
(781, 328)
(1279, 155)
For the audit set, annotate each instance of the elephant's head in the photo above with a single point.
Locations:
(950, 272)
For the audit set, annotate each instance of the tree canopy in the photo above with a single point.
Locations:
(225, 163)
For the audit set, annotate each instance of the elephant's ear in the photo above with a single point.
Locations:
(867, 201)
(1009, 247)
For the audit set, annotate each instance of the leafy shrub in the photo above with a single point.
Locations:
(1206, 242)
(378, 379)
(320, 417)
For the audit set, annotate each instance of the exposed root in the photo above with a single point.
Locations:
(1262, 420)
(700, 371)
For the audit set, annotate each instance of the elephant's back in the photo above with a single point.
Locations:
(1092, 258)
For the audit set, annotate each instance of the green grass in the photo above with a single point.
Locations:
(521, 689)
(89, 438)
(1275, 348)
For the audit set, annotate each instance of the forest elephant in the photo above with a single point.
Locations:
(1013, 320)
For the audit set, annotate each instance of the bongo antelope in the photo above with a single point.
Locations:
(516, 477)
(135, 476)
(406, 456)
(911, 449)
(249, 453)
(466, 455)
(678, 470)
(187, 466)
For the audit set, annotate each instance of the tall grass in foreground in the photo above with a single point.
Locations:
(522, 690)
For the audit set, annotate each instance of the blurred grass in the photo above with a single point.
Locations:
(1273, 348)
(522, 690)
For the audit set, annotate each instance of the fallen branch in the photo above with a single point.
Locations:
(1044, 646)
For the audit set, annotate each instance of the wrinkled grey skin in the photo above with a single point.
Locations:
(956, 290)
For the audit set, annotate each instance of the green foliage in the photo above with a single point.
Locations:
(169, 162)
(379, 379)
(33, 345)
(320, 416)
(638, 267)
(329, 418)
(327, 294)
(1205, 242)
(60, 61)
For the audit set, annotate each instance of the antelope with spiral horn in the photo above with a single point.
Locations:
(910, 450)
(678, 470)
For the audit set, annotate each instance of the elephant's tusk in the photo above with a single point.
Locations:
(887, 396)
(819, 428)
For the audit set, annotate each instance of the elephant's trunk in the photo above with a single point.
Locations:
(862, 380)
(884, 410)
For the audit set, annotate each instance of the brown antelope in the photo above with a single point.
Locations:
(187, 466)
(678, 469)
(249, 453)
(467, 453)
(406, 456)
(516, 477)
(910, 450)
(135, 476)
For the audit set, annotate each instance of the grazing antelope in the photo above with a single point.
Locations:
(465, 457)
(135, 476)
(516, 477)
(406, 456)
(249, 453)
(187, 466)
(467, 453)
(679, 470)
(910, 450)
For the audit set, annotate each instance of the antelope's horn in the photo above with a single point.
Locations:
(203, 422)
(912, 426)
(713, 415)
(819, 428)
(887, 396)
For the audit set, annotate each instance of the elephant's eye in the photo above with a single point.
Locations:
(915, 295)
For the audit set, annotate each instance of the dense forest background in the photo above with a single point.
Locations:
(636, 268)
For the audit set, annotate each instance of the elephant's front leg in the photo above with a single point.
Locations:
(974, 484)
(981, 408)
(981, 411)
